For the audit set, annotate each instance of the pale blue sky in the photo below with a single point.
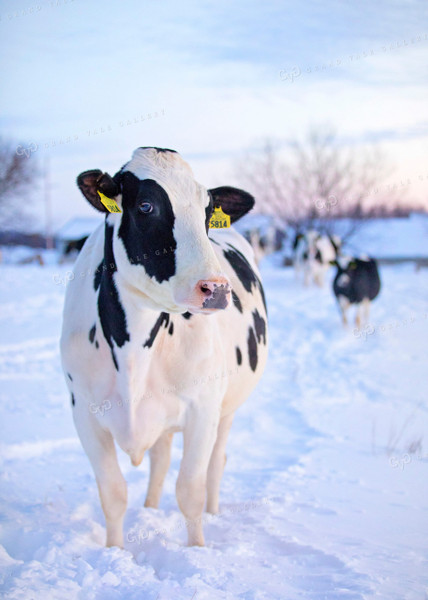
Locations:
(213, 68)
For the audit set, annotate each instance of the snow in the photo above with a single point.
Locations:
(324, 492)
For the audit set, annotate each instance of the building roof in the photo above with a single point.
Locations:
(78, 227)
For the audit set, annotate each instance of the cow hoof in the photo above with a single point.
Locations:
(151, 504)
(198, 543)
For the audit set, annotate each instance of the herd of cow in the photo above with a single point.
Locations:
(170, 330)
(356, 282)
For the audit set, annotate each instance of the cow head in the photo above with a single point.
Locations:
(160, 238)
(344, 263)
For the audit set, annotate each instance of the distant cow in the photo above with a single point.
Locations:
(299, 247)
(313, 254)
(164, 330)
(357, 282)
(72, 249)
(265, 244)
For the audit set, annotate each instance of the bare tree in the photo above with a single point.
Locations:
(313, 183)
(19, 172)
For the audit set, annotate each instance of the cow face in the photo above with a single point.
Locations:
(160, 239)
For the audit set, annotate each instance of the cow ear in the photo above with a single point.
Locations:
(94, 181)
(234, 202)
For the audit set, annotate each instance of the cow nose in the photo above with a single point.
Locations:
(213, 293)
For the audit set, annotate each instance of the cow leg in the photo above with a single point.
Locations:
(217, 464)
(297, 269)
(343, 306)
(307, 275)
(319, 277)
(358, 315)
(199, 438)
(160, 458)
(99, 446)
(366, 307)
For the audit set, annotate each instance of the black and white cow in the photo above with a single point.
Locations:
(299, 248)
(164, 330)
(72, 249)
(313, 254)
(356, 282)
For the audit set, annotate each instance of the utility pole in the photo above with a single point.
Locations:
(48, 205)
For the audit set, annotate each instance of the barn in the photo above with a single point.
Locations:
(71, 236)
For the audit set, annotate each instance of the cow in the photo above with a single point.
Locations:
(313, 254)
(266, 243)
(299, 247)
(325, 251)
(72, 249)
(259, 245)
(164, 330)
(356, 282)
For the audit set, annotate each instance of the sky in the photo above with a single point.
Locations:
(84, 83)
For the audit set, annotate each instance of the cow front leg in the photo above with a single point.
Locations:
(99, 446)
(307, 275)
(160, 458)
(358, 315)
(217, 464)
(366, 310)
(343, 307)
(199, 438)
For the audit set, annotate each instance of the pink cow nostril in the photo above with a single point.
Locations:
(213, 293)
(207, 289)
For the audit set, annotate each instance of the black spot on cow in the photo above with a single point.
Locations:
(241, 267)
(187, 315)
(252, 349)
(318, 256)
(259, 326)
(238, 356)
(157, 149)
(73, 401)
(243, 270)
(70, 377)
(113, 355)
(96, 344)
(171, 328)
(110, 310)
(97, 275)
(92, 334)
(162, 320)
(262, 293)
(148, 237)
(236, 301)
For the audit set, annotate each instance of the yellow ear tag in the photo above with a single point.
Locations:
(109, 203)
(219, 219)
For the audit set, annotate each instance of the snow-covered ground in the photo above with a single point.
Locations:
(325, 490)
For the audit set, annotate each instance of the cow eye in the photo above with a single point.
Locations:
(145, 208)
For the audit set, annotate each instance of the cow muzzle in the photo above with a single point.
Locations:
(210, 295)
